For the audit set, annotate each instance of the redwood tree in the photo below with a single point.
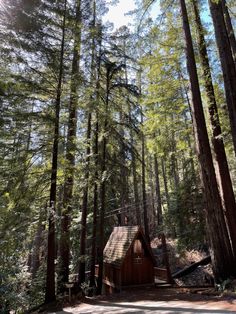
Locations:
(95, 152)
(227, 62)
(110, 66)
(158, 191)
(223, 260)
(50, 279)
(230, 29)
(145, 214)
(70, 154)
(228, 199)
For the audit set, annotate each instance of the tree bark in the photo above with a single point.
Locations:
(174, 163)
(124, 216)
(102, 214)
(37, 245)
(70, 157)
(83, 231)
(134, 172)
(135, 184)
(152, 214)
(82, 263)
(223, 261)
(50, 295)
(227, 62)
(145, 215)
(228, 199)
(95, 210)
(163, 168)
(123, 175)
(158, 192)
(103, 184)
(95, 191)
(230, 29)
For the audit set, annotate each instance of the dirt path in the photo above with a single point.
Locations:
(151, 300)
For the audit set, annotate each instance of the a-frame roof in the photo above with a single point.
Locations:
(121, 239)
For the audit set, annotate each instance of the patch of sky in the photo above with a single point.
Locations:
(119, 13)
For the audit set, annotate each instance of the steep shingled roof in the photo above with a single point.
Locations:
(119, 243)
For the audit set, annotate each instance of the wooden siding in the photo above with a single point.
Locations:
(137, 270)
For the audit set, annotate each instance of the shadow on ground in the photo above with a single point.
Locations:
(153, 300)
(146, 308)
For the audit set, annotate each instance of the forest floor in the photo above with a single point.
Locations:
(178, 260)
(153, 300)
(185, 296)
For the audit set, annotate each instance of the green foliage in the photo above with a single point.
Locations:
(36, 289)
(189, 220)
(169, 132)
(146, 75)
(14, 283)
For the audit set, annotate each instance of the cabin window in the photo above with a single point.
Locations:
(138, 248)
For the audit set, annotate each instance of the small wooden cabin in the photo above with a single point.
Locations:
(128, 259)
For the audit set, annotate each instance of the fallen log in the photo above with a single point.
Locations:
(187, 270)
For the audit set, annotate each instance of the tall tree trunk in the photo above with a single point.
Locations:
(123, 167)
(158, 191)
(135, 184)
(223, 261)
(95, 210)
(102, 213)
(134, 172)
(230, 29)
(123, 175)
(145, 215)
(95, 191)
(70, 156)
(217, 140)
(82, 264)
(191, 153)
(227, 62)
(151, 187)
(185, 96)
(103, 183)
(50, 276)
(84, 206)
(174, 163)
(37, 245)
(163, 168)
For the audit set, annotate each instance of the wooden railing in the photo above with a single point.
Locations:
(160, 273)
